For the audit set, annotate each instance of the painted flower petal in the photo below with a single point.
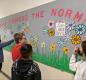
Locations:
(75, 39)
(80, 29)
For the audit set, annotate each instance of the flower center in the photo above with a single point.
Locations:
(50, 24)
(75, 39)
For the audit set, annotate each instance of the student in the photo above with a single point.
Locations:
(19, 40)
(2, 45)
(80, 66)
(25, 68)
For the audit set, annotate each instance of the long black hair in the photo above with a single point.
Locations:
(83, 45)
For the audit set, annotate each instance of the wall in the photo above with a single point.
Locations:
(58, 53)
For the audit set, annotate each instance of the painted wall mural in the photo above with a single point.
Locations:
(53, 29)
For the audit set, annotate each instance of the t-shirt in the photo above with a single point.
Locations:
(16, 52)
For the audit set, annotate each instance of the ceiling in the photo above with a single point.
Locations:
(8, 7)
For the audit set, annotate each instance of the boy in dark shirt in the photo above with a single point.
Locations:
(25, 68)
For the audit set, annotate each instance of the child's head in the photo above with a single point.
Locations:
(26, 51)
(19, 38)
(83, 48)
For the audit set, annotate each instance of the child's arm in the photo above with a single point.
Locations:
(13, 74)
(37, 75)
(4, 44)
(73, 65)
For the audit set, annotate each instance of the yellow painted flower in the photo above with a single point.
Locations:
(76, 39)
(66, 50)
(51, 32)
(53, 47)
(43, 45)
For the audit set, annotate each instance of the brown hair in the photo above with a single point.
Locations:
(83, 45)
(26, 51)
(18, 36)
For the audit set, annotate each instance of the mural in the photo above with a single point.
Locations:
(53, 32)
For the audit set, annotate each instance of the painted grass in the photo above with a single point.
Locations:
(60, 62)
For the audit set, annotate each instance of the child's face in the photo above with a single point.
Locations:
(23, 40)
